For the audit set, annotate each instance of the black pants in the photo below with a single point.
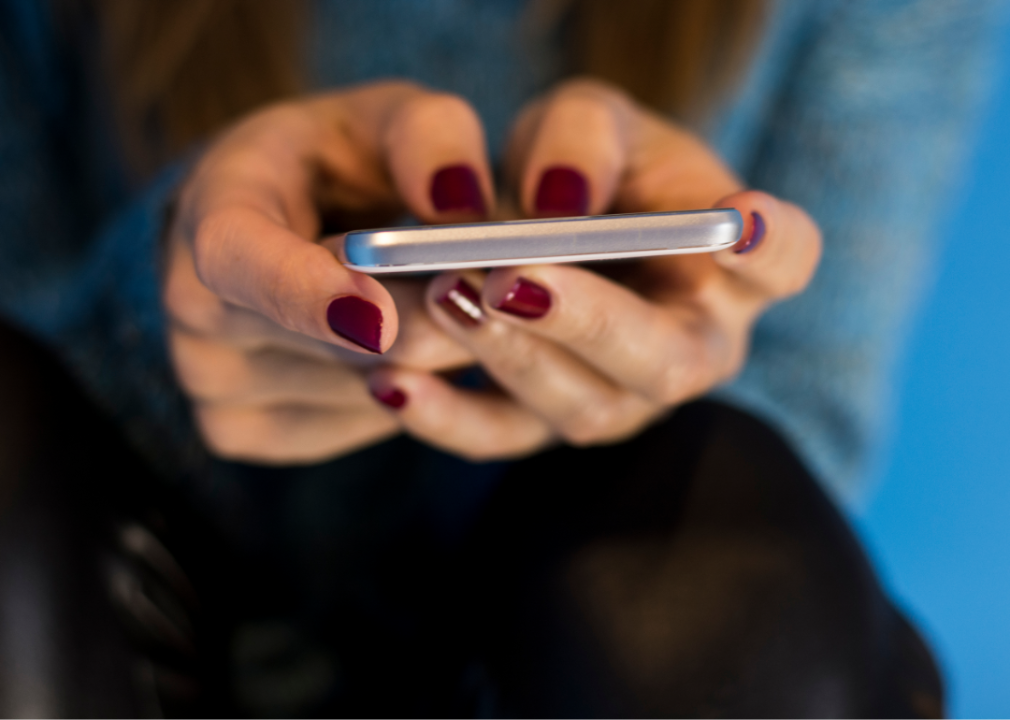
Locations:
(697, 570)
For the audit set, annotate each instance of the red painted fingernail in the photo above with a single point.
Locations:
(562, 191)
(757, 234)
(392, 397)
(526, 300)
(357, 320)
(462, 302)
(456, 189)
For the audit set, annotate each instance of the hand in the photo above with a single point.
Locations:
(270, 335)
(591, 359)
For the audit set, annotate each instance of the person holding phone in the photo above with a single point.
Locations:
(569, 530)
(578, 382)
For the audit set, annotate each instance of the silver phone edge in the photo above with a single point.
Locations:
(541, 260)
(720, 227)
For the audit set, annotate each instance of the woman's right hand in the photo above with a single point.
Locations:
(269, 334)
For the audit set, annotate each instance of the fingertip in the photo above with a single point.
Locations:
(573, 157)
(392, 397)
(562, 191)
(404, 390)
(356, 320)
(364, 314)
(759, 212)
(437, 156)
(779, 248)
(455, 191)
(753, 234)
(458, 296)
(365, 317)
(383, 386)
(515, 294)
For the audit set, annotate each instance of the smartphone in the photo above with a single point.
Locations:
(523, 242)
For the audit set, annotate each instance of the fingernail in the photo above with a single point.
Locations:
(392, 397)
(357, 320)
(562, 191)
(526, 300)
(757, 234)
(456, 189)
(462, 302)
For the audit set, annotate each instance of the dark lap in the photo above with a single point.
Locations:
(62, 652)
(696, 570)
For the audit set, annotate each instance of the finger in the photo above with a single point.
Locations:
(196, 310)
(286, 435)
(670, 169)
(437, 156)
(250, 209)
(421, 344)
(568, 151)
(214, 372)
(588, 148)
(474, 425)
(397, 142)
(248, 259)
(780, 247)
(579, 403)
(664, 353)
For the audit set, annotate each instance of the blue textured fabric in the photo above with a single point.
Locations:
(862, 112)
(869, 132)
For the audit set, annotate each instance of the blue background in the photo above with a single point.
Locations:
(938, 525)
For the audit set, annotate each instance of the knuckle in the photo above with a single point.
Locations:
(282, 292)
(591, 87)
(250, 435)
(286, 117)
(209, 236)
(594, 329)
(590, 424)
(797, 276)
(479, 454)
(728, 356)
(582, 115)
(588, 109)
(518, 360)
(213, 374)
(683, 374)
(808, 263)
(429, 110)
(501, 446)
(188, 303)
(428, 352)
(232, 434)
(182, 305)
(795, 285)
(201, 315)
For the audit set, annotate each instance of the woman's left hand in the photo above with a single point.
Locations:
(590, 358)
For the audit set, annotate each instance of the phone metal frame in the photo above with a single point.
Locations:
(555, 240)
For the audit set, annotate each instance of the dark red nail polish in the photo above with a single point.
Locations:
(357, 320)
(456, 189)
(526, 300)
(757, 234)
(393, 398)
(562, 191)
(462, 302)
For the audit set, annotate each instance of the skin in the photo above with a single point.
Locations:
(248, 280)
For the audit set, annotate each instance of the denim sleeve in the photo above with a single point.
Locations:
(81, 277)
(869, 133)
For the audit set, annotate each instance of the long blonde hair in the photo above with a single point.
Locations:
(180, 69)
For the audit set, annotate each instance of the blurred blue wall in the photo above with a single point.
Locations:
(939, 523)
